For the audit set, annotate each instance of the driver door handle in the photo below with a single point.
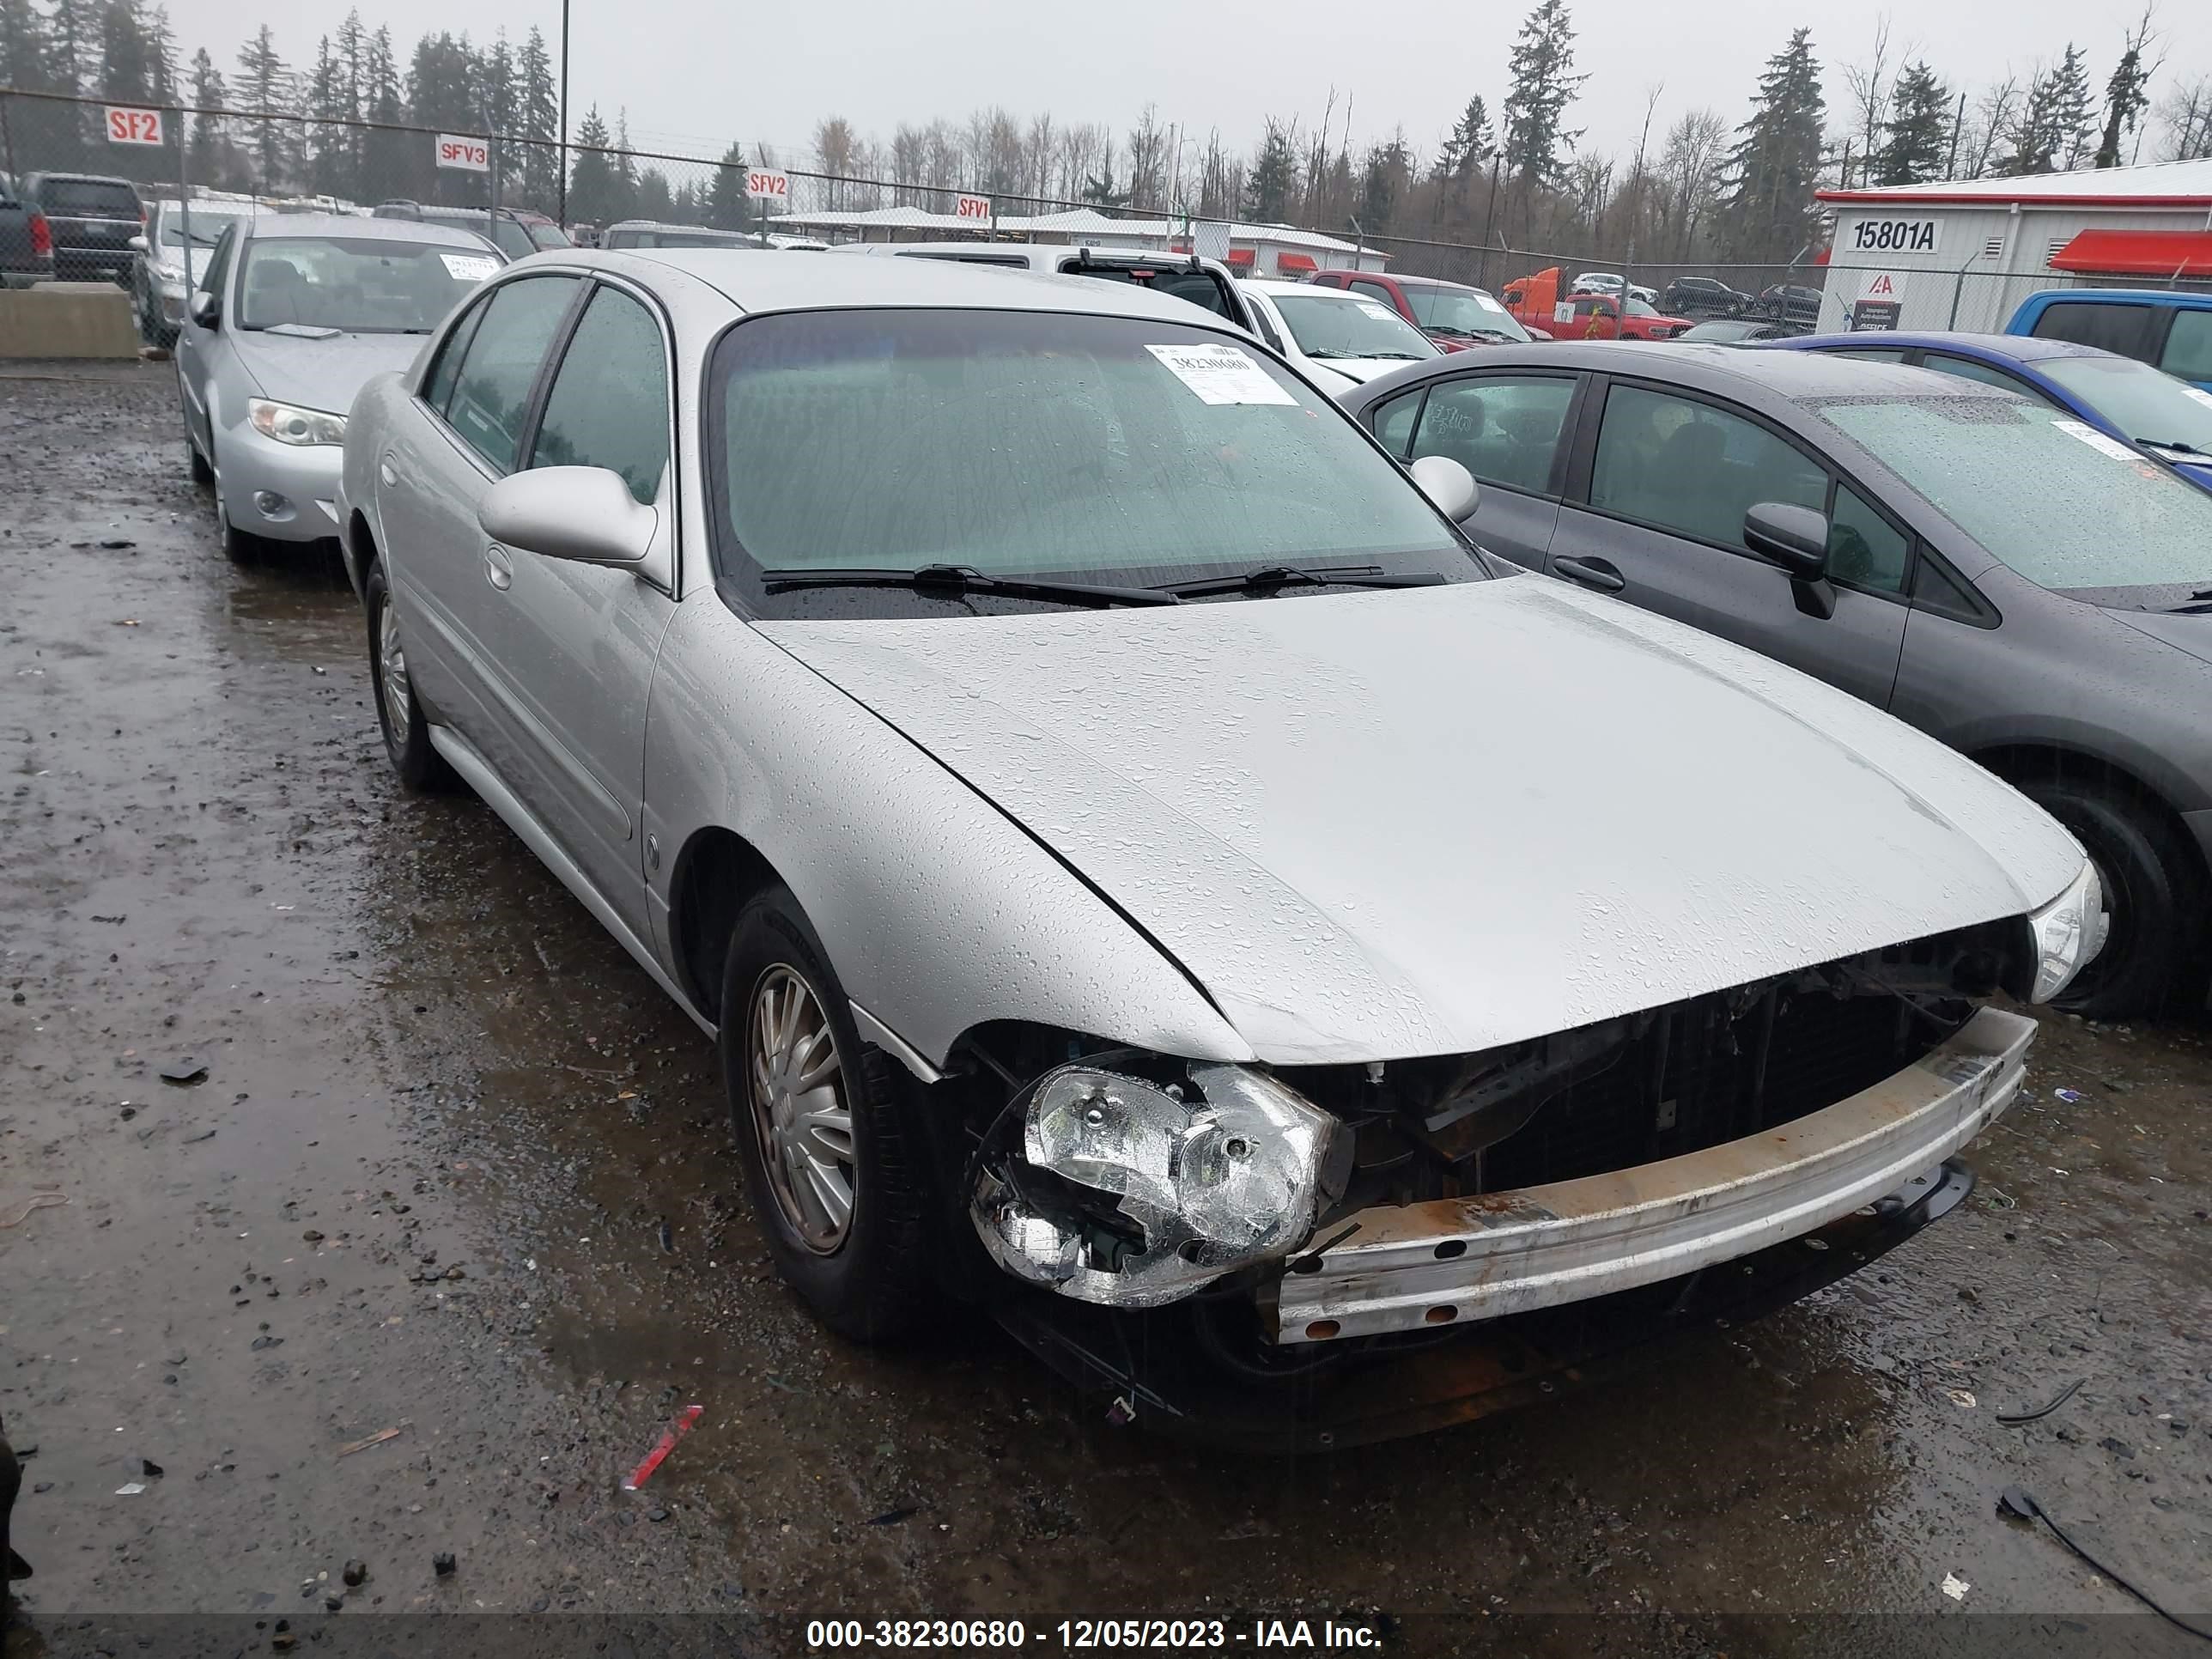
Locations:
(1591, 572)
(499, 568)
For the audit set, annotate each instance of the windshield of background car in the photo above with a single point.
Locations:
(2146, 403)
(672, 239)
(361, 285)
(1201, 288)
(1107, 449)
(1637, 308)
(1326, 325)
(208, 224)
(545, 233)
(1463, 311)
(2059, 502)
(87, 198)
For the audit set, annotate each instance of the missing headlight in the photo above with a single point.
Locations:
(1132, 1192)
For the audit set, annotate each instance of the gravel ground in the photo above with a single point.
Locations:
(457, 1180)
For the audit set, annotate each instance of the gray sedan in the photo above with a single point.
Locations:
(293, 314)
(2001, 575)
(1062, 758)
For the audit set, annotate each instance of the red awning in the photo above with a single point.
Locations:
(1239, 255)
(1295, 262)
(2137, 254)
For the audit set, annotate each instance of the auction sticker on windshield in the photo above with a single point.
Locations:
(469, 267)
(2097, 440)
(1220, 374)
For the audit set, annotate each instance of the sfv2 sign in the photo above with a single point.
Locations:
(133, 126)
(1893, 236)
(767, 185)
(469, 154)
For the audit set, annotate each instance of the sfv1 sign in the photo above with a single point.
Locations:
(469, 154)
(977, 208)
(133, 126)
(768, 185)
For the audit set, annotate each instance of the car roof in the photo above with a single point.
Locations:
(2188, 298)
(1762, 375)
(361, 225)
(84, 179)
(1276, 285)
(1425, 282)
(2014, 347)
(761, 279)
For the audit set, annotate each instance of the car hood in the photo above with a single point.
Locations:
(1435, 820)
(1360, 370)
(324, 374)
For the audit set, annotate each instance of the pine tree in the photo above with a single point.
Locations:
(39, 133)
(1772, 172)
(215, 160)
(1536, 143)
(625, 204)
(73, 36)
(539, 117)
(1273, 176)
(2051, 134)
(725, 197)
(1385, 175)
(386, 164)
(2125, 97)
(126, 73)
(592, 185)
(264, 87)
(1916, 138)
(2073, 112)
(329, 142)
(1470, 145)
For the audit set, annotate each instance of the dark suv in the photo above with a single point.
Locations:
(516, 232)
(92, 219)
(1703, 296)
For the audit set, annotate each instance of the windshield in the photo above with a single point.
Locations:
(208, 224)
(1327, 325)
(1022, 443)
(361, 285)
(2147, 404)
(1462, 311)
(88, 198)
(2054, 498)
(1637, 308)
(543, 233)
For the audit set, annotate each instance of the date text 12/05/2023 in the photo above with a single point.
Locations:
(978, 1635)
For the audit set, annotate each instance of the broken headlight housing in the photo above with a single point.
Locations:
(1132, 1193)
(2067, 931)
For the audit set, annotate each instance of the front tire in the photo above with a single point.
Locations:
(831, 1159)
(2152, 885)
(238, 546)
(420, 767)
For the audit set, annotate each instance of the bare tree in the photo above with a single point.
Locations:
(909, 163)
(1690, 171)
(1148, 162)
(834, 146)
(1038, 150)
(1871, 82)
(1989, 122)
(2184, 119)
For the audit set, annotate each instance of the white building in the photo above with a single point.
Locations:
(1965, 254)
(1252, 250)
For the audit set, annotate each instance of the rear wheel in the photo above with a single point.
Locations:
(406, 733)
(2153, 932)
(821, 1119)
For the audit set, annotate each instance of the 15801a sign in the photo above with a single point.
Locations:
(1893, 236)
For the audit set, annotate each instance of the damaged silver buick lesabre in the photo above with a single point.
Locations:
(1148, 871)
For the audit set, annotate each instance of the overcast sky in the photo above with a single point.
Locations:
(695, 74)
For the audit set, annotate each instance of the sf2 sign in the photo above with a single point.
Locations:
(972, 207)
(133, 126)
(469, 154)
(768, 185)
(1893, 236)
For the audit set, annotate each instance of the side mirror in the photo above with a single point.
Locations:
(585, 513)
(139, 244)
(1450, 486)
(1796, 539)
(206, 310)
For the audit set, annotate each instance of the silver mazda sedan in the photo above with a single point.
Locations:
(1147, 871)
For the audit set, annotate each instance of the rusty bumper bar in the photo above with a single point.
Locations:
(1451, 1260)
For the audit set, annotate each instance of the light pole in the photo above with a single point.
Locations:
(562, 212)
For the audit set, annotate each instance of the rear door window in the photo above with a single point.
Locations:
(1502, 429)
(1685, 466)
(2188, 353)
(491, 395)
(2133, 330)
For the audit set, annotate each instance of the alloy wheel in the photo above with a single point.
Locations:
(800, 1113)
(391, 671)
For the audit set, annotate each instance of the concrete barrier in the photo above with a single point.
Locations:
(67, 319)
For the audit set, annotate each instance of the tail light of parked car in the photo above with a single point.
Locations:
(42, 237)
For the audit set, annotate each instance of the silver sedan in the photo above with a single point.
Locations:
(292, 315)
(1139, 861)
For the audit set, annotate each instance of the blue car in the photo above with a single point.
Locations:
(2168, 328)
(2118, 397)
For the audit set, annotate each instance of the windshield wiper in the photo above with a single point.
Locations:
(1291, 575)
(2174, 444)
(953, 581)
(1325, 352)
